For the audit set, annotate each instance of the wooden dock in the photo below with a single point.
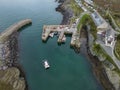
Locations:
(62, 30)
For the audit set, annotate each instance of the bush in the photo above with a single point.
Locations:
(75, 7)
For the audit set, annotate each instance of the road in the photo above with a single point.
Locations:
(109, 50)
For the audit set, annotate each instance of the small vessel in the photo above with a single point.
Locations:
(46, 64)
(64, 39)
(51, 34)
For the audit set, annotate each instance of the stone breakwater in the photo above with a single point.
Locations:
(11, 74)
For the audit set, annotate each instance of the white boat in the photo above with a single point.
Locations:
(46, 64)
(51, 34)
(64, 39)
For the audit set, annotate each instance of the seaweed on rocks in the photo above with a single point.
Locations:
(66, 12)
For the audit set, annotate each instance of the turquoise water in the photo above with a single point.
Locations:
(68, 71)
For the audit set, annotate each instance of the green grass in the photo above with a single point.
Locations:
(116, 17)
(5, 86)
(111, 18)
(117, 47)
(110, 21)
(73, 19)
(101, 52)
(93, 29)
(83, 21)
(86, 19)
(76, 8)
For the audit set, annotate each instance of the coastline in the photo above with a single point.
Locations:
(16, 63)
(97, 67)
(13, 77)
(66, 13)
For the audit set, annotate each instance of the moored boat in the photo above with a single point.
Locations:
(51, 34)
(46, 64)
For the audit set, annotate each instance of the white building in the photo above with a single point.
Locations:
(103, 29)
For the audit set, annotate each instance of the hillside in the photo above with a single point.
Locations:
(113, 5)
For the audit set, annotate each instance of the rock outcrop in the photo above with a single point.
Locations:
(65, 11)
(10, 80)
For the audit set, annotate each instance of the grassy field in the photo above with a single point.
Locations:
(117, 47)
(83, 21)
(86, 19)
(75, 7)
(101, 52)
(5, 86)
(113, 5)
(116, 17)
(107, 17)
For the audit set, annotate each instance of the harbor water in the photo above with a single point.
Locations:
(68, 70)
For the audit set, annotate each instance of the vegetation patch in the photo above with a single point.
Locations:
(99, 51)
(117, 47)
(113, 5)
(76, 8)
(93, 28)
(86, 19)
(82, 22)
(116, 17)
(73, 19)
(5, 86)
(109, 18)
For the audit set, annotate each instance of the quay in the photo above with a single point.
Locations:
(62, 31)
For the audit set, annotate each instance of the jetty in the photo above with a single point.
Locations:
(8, 44)
(62, 31)
(14, 28)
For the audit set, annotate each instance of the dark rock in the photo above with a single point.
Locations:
(66, 12)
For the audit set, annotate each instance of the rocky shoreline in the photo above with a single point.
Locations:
(12, 76)
(66, 12)
(11, 68)
(14, 48)
(98, 69)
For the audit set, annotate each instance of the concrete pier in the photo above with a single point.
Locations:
(15, 27)
(62, 30)
(47, 29)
